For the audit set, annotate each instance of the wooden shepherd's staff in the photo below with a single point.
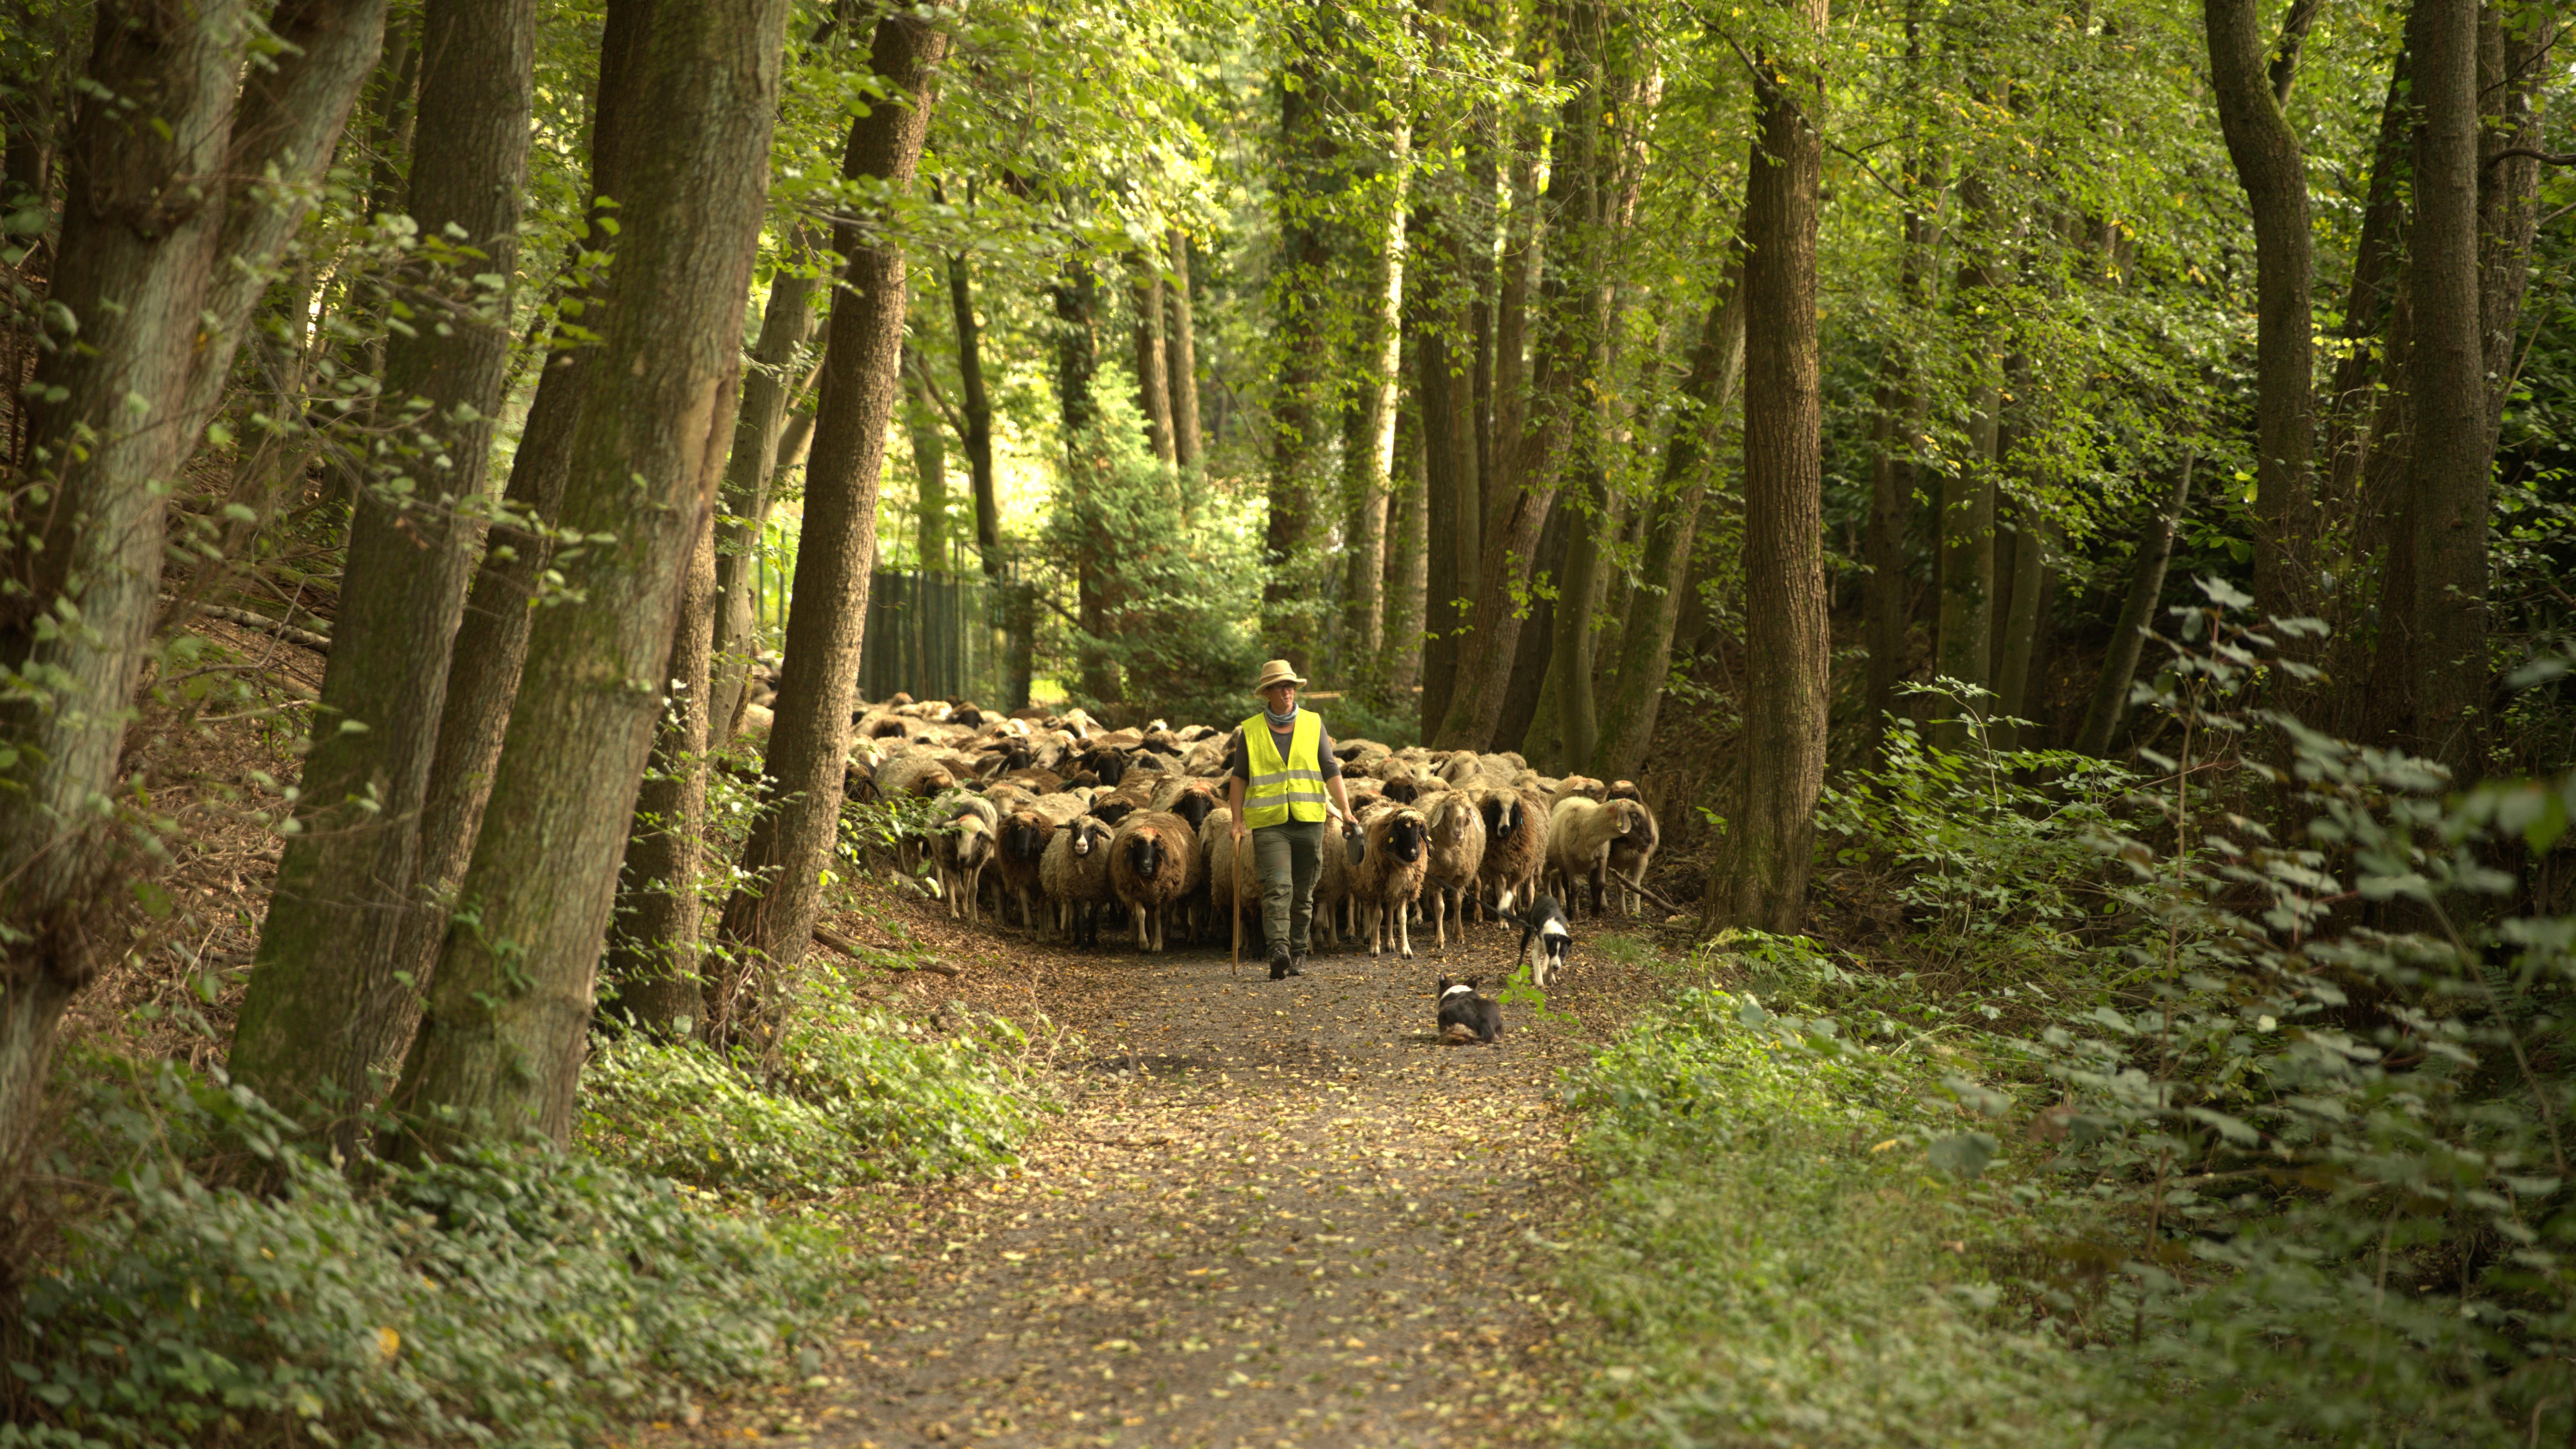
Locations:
(1235, 904)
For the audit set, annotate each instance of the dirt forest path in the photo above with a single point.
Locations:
(1272, 1214)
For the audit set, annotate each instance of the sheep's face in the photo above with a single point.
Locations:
(1113, 811)
(1145, 853)
(1632, 817)
(1404, 838)
(1109, 765)
(1024, 838)
(1498, 817)
(1403, 792)
(1195, 806)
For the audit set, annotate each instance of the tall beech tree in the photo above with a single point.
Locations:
(768, 922)
(1759, 878)
(2450, 454)
(500, 1042)
(1181, 354)
(772, 377)
(2252, 94)
(172, 222)
(325, 996)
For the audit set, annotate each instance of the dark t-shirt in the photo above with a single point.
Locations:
(1241, 769)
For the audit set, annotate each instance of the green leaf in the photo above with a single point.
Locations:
(1964, 1154)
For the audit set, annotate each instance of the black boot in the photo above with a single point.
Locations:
(1280, 966)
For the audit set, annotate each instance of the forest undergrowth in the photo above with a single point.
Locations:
(2144, 1124)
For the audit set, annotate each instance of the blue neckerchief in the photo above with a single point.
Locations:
(1280, 721)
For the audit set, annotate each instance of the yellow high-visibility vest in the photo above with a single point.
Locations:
(1289, 789)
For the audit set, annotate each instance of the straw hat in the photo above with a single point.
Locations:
(1277, 671)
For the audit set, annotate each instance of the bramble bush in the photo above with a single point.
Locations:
(514, 1296)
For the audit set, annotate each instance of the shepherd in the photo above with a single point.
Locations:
(1284, 784)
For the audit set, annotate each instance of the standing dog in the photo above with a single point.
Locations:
(1545, 941)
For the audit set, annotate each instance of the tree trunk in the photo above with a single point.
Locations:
(1369, 467)
(1445, 398)
(500, 1044)
(2273, 173)
(769, 388)
(1181, 355)
(2511, 65)
(1301, 300)
(2031, 581)
(652, 961)
(768, 923)
(1408, 564)
(156, 267)
(2377, 258)
(1966, 555)
(976, 406)
(2137, 616)
(1518, 726)
(325, 992)
(1884, 595)
(929, 466)
(1759, 879)
(1578, 727)
(2451, 455)
(1645, 657)
(1153, 363)
(491, 645)
(1574, 302)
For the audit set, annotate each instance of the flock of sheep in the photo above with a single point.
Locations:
(1073, 823)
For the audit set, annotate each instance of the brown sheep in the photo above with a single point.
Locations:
(1333, 887)
(1573, 785)
(1515, 847)
(1075, 873)
(1019, 854)
(1153, 862)
(1456, 833)
(915, 774)
(1631, 854)
(1192, 800)
(963, 847)
(1580, 833)
(1390, 876)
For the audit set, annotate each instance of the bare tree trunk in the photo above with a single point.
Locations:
(1408, 564)
(2031, 581)
(2512, 61)
(977, 408)
(491, 646)
(1182, 356)
(1759, 879)
(768, 924)
(1301, 302)
(1369, 467)
(2451, 454)
(1444, 392)
(1574, 305)
(500, 1044)
(769, 388)
(160, 310)
(1153, 363)
(2137, 616)
(652, 961)
(929, 465)
(1578, 726)
(326, 992)
(1076, 298)
(2273, 173)
(1966, 536)
(1646, 635)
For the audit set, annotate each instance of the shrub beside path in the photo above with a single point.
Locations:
(1272, 1214)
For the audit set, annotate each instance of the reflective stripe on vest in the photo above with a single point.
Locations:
(1289, 789)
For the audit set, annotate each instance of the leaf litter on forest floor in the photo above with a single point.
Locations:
(1260, 1221)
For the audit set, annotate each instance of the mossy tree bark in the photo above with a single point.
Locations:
(1407, 564)
(500, 1045)
(1153, 362)
(1759, 878)
(1368, 457)
(768, 923)
(171, 226)
(325, 996)
(1444, 396)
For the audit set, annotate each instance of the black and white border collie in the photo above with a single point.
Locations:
(1545, 941)
(1467, 1015)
